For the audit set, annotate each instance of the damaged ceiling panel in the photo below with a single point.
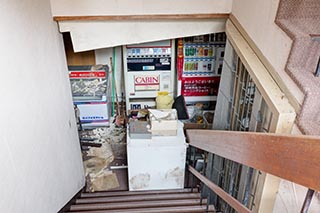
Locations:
(91, 35)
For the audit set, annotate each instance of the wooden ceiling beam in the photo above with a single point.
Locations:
(143, 17)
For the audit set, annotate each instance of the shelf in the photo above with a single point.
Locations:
(199, 74)
(188, 58)
(199, 98)
(149, 71)
(205, 43)
(149, 56)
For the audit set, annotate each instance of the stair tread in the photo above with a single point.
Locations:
(137, 204)
(174, 209)
(143, 197)
(127, 193)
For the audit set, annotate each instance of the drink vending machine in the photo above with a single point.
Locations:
(199, 66)
(148, 69)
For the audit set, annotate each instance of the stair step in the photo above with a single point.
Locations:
(137, 204)
(144, 197)
(179, 209)
(127, 193)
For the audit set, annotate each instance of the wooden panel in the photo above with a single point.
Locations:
(234, 203)
(143, 17)
(295, 158)
(77, 59)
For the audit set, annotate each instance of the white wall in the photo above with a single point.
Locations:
(259, 24)
(41, 166)
(274, 44)
(138, 7)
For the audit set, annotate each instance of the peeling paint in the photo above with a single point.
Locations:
(140, 181)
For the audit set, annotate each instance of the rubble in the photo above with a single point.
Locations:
(97, 160)
(103, 181)
(88, 87)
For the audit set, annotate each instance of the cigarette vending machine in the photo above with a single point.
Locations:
(148, 68)
(199, 66)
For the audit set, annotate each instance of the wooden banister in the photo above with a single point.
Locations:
(234, 203)
(294, 158)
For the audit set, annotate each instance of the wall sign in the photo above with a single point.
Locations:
(146, 82)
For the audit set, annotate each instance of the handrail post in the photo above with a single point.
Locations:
(203, 173)
(193, 155)
(307, 201)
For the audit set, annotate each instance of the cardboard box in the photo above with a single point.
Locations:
(164, 122)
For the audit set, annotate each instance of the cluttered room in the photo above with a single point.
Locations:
(132, 110)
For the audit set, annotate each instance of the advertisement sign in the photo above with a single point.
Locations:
(93, 111)
(147, 82)
(87, 74)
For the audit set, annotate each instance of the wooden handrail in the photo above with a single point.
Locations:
(143, 17)
(294, 158)
(234, 203)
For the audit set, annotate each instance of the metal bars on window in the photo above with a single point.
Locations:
(247, 112)
(244, 90)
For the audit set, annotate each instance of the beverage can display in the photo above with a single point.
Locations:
(205, 66)
(191, 51)
(185, 66)
(200, 51)
(210, 51)
(209, 66)
(194, 51)
(206, 51)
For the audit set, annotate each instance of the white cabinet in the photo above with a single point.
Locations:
(157, 163)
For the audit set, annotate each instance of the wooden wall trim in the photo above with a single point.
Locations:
(143, 17)
(234, 203)
(291, 157)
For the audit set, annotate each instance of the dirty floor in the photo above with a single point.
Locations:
(105, 166)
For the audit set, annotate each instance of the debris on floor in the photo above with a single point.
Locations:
(103, 181)
(97, 160)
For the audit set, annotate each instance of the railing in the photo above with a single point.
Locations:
(294, 158)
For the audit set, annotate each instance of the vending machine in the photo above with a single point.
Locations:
(149, 68)
(199, 66)
(89, 85)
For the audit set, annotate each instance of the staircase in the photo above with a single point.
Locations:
(300, 20)
(182, 200)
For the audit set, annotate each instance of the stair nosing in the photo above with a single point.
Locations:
(137, 198)
(195, 208)
(132, 193)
